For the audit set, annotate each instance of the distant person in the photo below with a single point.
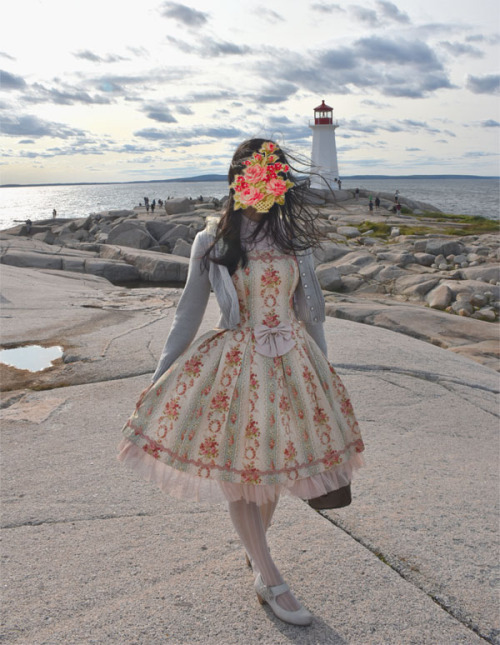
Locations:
(29, 224)
(377, 203)
(370, 204)
(160, 203)
(153, 205)
(396, 196)
(398, 208)
(54, 213)
(356, 194)
(147, 206)
(340, 184)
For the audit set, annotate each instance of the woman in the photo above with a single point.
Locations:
(253, 408)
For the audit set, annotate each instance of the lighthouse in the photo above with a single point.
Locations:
(324, 150)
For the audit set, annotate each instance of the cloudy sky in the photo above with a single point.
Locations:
(114, 91)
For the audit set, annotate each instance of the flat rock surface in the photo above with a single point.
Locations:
(92, 554)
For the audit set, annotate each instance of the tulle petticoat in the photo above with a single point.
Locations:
(196, 489)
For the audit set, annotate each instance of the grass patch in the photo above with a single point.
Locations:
(379, 229)
(470, 224)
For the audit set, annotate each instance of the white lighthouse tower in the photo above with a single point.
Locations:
(324, 150)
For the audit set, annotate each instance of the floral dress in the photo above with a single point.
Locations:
(248, 412)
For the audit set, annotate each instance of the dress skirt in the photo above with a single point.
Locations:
(250, 412)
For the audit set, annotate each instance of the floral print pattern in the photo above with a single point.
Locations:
(223, 411)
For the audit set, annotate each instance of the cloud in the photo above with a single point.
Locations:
(270, 15)
(391, 12)
(25, 141)
(10, 81)
(94, 58)
(364, 15)
(460, 49)
(181, 137)
(326, 8)
(487, 84)
(184, 109)
(32, 126)
(490, 123)
(413, 149)
(8, 56)
(163, 115)
(277, 92)
(66, 96)
(399, 52)
(210, 47)
(184, 15)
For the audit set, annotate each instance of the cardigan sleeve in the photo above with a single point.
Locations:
(190, 309)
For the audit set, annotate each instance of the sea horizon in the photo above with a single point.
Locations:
(217, 178)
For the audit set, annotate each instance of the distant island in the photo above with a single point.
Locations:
(199, 178)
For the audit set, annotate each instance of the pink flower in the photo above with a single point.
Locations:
(254, 174)
(276, 187)
(250, 196)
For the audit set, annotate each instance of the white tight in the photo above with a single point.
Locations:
(251, 523)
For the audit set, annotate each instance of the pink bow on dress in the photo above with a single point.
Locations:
(273, 341)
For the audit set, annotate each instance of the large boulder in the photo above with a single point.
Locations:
(158, 228)
(179, 231)
(178, 205)
(153, 267)
(440, 297)
(182, 248)
(329, 277)
(18, 258)
(485, 273)
(132, 234)
(443, 247)
(112, 270)
(348, 231)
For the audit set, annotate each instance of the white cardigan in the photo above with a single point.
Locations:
(309, 304)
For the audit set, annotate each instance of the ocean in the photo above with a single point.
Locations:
(467, 196)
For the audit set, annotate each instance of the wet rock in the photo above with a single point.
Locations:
(440, 297)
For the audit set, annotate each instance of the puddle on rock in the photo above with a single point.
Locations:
(34, 358)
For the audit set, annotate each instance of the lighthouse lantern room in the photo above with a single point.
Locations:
(324, 150)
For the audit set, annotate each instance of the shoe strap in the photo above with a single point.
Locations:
(279, 589)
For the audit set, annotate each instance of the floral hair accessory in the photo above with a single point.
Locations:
(263, 182)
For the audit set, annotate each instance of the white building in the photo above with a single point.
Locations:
(324, 150)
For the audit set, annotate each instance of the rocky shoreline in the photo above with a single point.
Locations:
(421, 273)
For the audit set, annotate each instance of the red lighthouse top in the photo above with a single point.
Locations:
(323, 114)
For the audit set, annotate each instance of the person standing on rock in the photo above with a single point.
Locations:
(253, 408)
(54, 213)
(377, 203)
(370, 204)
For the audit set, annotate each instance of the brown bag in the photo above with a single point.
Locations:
(334, 499)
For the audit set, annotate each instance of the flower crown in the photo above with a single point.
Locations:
(261, 185)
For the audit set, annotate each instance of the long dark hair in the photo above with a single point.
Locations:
(290, 226)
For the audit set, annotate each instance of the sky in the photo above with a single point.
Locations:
(107, 90)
